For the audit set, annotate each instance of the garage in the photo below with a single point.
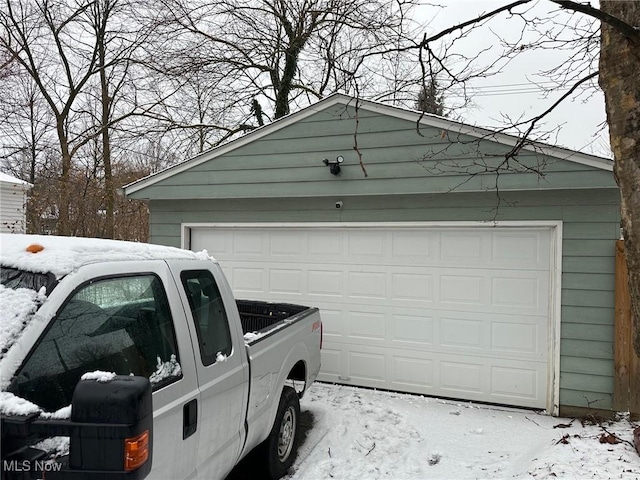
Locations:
(441, 264)
(460, 312)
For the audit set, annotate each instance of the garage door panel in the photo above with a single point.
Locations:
(515, 292)
(459, 334)
(451, 332)
(513, 382)
(412, 287)
(527, 250)
(455, 312)
(332, 324)
(325, 283)
(287, 281)
(463, 248)
(520, 338)
(367, 247)
(411, 373)
(332, 363)
(369, 367)
(467, 377)
(217, 243)
(285, 245)
(372, 285)
(463, 290)
(461, 377)
(325, 245)
(367, 325)
(413, 247)
(417, 330)
(522, 288)
(248, 244)
(248, 280)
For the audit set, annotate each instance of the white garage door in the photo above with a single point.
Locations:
(452, 312)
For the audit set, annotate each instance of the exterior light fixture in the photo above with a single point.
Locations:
(334, 165)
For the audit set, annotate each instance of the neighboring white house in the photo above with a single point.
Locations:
(13, 202)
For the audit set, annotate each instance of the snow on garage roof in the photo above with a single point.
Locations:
(63, 255)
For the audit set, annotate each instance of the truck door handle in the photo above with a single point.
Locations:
(190, 418)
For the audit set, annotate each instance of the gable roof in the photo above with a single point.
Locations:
(417, 117)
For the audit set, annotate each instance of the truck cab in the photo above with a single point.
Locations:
(168, 317)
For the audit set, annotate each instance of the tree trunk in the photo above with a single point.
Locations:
(109, 188)
(64, 194)
(619, 79)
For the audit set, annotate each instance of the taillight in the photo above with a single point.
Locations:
(321, 334)
(136, 451)
(317, 325)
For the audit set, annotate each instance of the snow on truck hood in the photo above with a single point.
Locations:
(63, 255)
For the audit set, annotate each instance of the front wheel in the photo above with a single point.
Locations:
(281, 446)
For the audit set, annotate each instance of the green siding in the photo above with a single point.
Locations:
(588, 264)
(595, 231)
(586, 399)
(588, 298)
(586, 349)
(580, 331)
(594, 281)
(397, 159)
(590, 227)
(381, 180)
(587, 315)
(592, 366)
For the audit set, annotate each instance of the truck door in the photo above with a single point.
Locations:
(222, 377)
(122, 318)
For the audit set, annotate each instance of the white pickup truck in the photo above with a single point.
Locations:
(128, 360)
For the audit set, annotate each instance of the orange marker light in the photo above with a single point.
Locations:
(34, 248)
(136, 451)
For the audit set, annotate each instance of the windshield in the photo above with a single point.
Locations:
(21, 294)
(14, 279)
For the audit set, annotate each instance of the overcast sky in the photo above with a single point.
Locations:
(577, 122)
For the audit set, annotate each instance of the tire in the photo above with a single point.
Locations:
(280, 448)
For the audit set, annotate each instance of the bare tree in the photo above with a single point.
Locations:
(620, 81)
(33, 32)
(263, 57)
(25, 127)
(114, 49)
(601, 43)
(79, 57)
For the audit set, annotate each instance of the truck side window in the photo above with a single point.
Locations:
(209, 316)
(121, 325)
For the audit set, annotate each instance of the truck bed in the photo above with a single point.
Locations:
(260, 317)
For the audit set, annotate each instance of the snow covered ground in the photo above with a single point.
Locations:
(363, 434)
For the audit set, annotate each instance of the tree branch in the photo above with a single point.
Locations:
(473, 21)
(522, 140)
(629, 31)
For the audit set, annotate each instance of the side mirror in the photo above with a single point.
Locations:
(113, 427)
(110, 434)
